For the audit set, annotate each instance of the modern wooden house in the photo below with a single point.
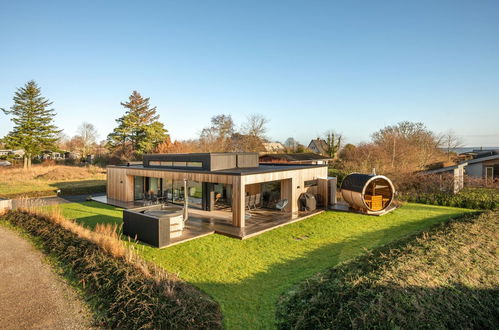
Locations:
(235, 183)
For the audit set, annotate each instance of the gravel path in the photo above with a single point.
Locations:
(32, 295)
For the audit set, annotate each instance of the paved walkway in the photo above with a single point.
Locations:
(32, 296)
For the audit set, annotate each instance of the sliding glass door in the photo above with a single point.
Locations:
(138, 187)
(195, 194)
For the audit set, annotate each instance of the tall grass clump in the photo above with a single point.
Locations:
(442, 279)
(125, 291)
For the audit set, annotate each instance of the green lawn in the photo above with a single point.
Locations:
(246, 277)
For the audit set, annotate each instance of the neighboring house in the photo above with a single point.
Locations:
(218, 184)
(47, 154)
(71, 155)
(299, 158)
(486, 167)
(273, 147)
(319, 146)
(19, 153)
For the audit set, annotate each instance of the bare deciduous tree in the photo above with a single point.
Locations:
(256, 125)
(450, 141)
(87, 134)
(217, 136)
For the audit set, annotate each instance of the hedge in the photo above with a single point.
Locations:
(471, 198)
(123, 293)
(441, 279)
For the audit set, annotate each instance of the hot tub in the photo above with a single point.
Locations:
(155, 225)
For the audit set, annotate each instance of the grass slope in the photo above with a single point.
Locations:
(445, 279)
(46, 180)
(247, 277)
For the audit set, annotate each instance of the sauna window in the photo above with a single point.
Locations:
(310, 183)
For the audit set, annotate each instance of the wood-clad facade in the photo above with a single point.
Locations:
(246, 179)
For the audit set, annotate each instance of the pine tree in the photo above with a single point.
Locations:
(139, 130)
(34, 129)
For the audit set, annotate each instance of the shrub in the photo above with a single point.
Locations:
(340, 174)
(472, 198)
(444, 278)
(438, 190)
(124, 290)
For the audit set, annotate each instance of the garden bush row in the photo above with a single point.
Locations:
(442, 279)
(477, 198)
(125, 292)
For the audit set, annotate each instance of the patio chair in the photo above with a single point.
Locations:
(258, 200)
(280, 205)
(247, 202)
(153, 198)
(252, 201)
(147, 198)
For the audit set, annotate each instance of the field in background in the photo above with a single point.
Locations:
(247, 277)
(46, 180)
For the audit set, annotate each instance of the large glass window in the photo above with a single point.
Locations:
(271, 193)
(222, 195)
(138, 187)
(153, 186)
(178, 192)
(195, 194)
(167, 190)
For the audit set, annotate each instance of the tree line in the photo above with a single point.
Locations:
(138, 131)
(400, 148)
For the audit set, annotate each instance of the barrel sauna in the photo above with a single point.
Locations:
(367, 192)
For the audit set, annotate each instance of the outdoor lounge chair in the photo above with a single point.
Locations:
(258, 200)
(247, 202)
(252, 202)
(280, 205)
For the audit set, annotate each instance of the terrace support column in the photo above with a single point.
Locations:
(288, 191)
(238, 202)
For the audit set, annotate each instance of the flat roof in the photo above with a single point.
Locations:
(232, 171)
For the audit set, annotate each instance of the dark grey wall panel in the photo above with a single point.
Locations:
(216, 161)
(247, 160)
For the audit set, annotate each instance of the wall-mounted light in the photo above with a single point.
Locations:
(121, 181)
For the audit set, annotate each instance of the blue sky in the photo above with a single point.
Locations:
(308, 66)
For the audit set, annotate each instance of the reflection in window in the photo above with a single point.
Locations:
(310, 183)
(195, 164)
(179, 164)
